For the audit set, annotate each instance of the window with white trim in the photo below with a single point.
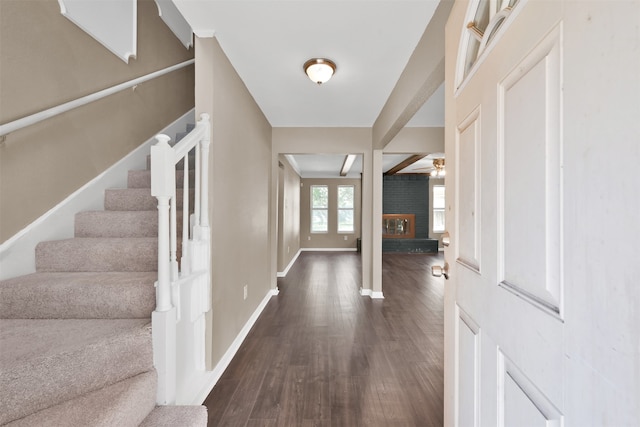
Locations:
(319, 209)
(438, 209)
(346, 196)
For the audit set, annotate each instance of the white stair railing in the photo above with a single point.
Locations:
(183, 289)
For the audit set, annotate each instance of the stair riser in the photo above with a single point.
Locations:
(119, 223)
(137, 199)
(142, 179)
(138, 254)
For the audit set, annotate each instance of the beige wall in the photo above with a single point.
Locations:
(45, 60)
(331, 239)
(240, 196)
(288, 213)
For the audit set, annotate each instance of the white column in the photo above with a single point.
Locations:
(376, 230)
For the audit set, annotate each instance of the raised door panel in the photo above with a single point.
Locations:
(468, 185)
(467, 391)
(531, 187)
(520, 402)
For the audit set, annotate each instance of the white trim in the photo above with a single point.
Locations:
(208, 380)
(17, 253)
(293, 260)
(329, 249)
(112, 24)
(63, 108)
(371, 294)
(171, 16)
(204, 33)
(293, 163)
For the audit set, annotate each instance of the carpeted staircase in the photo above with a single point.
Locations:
(75, 337)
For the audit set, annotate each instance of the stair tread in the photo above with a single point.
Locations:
(45, 362)
(125, 403)
(75, 295)
(171, 416)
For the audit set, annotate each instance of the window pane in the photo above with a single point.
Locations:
(319, 221)
(345, 220)
(438, 197)
(345, 196)
(483, 15)
(319, 196)
(438, 220)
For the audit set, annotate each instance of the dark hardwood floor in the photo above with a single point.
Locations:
(322, 355)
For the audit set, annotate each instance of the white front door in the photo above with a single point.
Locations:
(542, 320)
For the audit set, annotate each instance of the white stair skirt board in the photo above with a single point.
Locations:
(371, 294)
(200, 387)
(16, 254)
(293, 260)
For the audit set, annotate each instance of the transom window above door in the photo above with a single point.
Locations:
(484, 19)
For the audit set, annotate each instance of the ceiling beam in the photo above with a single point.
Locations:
(405, 163)
(421, 77)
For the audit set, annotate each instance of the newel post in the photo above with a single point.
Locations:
(164, 317)
(163, 187)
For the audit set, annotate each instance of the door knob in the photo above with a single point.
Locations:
(438, 271)
(446, 239)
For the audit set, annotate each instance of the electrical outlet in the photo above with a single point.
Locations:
(246, 290)
(288, 249)
(345, 237)
(308, 237)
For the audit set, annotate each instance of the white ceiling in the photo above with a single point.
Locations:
(268, 41)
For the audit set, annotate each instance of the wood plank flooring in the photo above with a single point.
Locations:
(322, 355)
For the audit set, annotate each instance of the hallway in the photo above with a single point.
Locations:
(322, 355)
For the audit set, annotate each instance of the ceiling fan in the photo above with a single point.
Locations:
(433, 164)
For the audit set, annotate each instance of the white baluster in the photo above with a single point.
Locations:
(173, 236)
(196, 199)
(185, 261)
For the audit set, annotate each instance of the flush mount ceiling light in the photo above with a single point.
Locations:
(319, 70)
(346, 165)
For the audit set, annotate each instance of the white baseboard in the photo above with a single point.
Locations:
(365, 292)
(371, 294)
(17, 254)
(293, 260)
(328, 249)
(203, 387)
